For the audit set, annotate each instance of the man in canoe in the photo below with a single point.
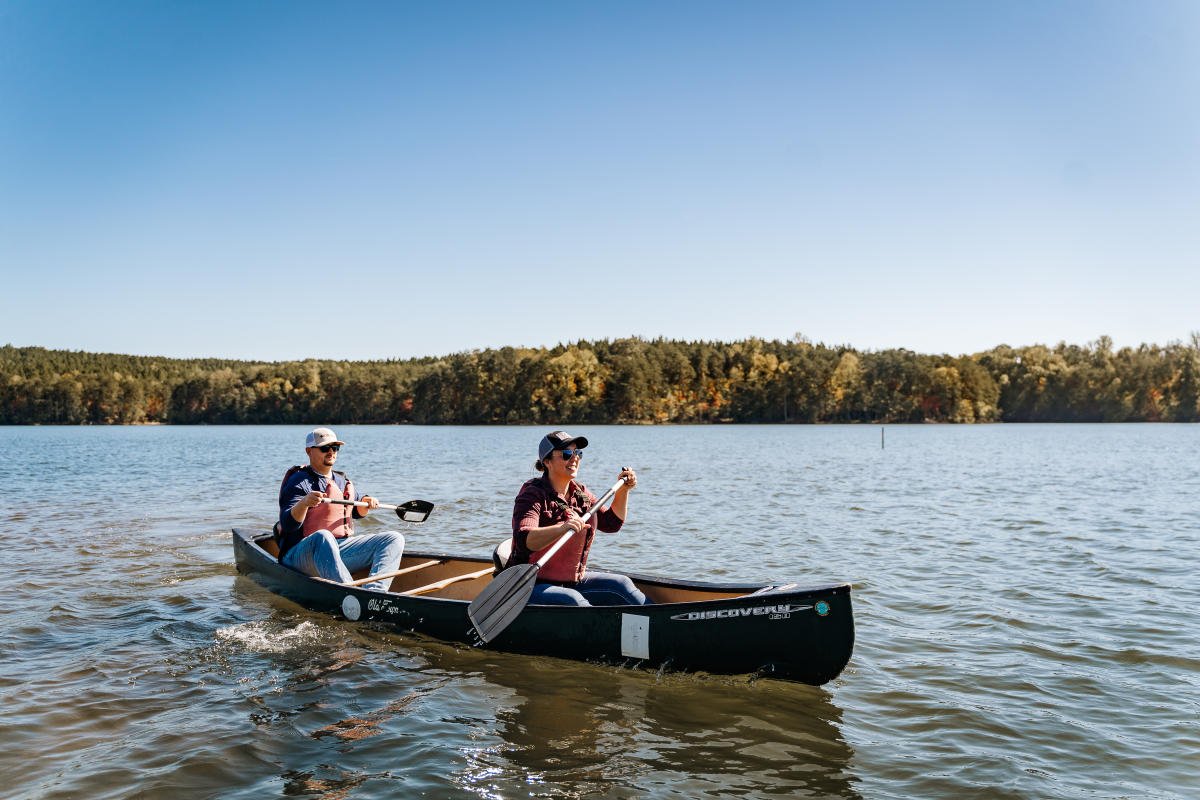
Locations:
(549, 506)
(316, 536)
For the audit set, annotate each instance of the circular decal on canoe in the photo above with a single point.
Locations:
(822, 607)
(351, 608)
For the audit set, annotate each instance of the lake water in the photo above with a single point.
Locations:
(1025, 601)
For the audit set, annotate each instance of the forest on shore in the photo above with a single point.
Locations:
(628, 380)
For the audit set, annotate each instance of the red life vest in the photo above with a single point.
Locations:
(332, 517)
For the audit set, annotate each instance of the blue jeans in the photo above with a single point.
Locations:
(323, 555)
(596, 589)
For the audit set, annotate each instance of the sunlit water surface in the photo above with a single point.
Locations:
(1025, 600)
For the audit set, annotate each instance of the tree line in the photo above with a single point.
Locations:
(629, 380)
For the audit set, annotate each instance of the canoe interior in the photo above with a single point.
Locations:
(450, 567)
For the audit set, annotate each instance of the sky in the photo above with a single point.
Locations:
(285, 180)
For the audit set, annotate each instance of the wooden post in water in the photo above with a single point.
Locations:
(881, 444)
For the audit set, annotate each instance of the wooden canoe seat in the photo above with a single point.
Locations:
(269, 544)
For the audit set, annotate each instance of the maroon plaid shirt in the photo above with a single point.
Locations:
(539, 506)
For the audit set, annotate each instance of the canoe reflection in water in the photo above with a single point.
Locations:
(612, 732)
(348, 709)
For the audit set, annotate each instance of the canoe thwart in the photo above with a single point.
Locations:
(442, 584)
(397, 573)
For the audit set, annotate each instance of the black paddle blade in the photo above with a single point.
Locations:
(502, 600)
(414, 510)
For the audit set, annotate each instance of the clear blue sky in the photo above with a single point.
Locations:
(278, 180)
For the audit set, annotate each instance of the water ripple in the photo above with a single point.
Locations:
(1024, 600)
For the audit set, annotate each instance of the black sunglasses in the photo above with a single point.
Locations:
(325, 448)
(568, 453)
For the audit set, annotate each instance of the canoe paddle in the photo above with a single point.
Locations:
(412, 511)
(503, 600)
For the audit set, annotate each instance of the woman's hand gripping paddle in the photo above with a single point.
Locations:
(503, 600)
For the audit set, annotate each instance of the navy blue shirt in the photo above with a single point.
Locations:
(294, 489)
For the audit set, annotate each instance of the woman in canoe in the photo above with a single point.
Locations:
(553, 504)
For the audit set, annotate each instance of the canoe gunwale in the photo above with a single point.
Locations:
(637, 577)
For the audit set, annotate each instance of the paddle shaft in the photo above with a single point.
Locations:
(358, 503)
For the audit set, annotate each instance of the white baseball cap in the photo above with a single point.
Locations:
(319, 437)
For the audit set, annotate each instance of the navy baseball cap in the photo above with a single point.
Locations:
(559, 440)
